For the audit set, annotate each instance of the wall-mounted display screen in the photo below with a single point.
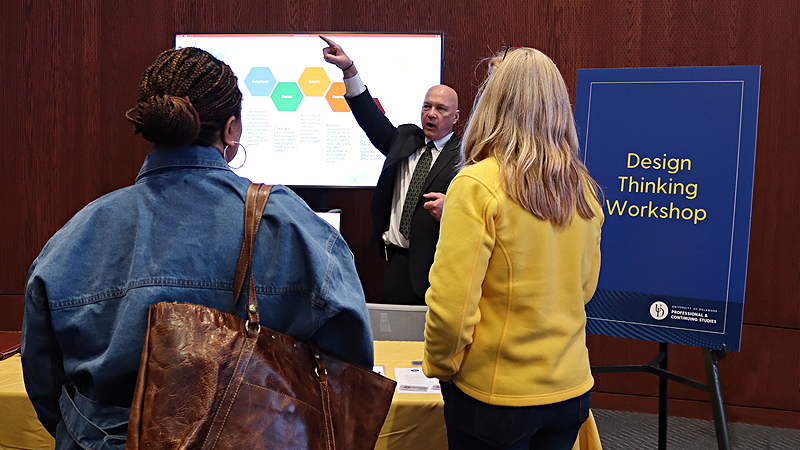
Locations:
(298, 129)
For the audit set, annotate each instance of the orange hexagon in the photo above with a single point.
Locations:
(314, 81)
(335, 97)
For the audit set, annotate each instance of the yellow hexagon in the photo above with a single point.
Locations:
(314, 81)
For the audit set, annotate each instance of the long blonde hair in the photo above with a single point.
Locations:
(522, 117)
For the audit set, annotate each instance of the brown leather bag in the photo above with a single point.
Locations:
(210, 380)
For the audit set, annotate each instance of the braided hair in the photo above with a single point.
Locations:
(185, 97)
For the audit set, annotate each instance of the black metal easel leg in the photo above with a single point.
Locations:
(710, 357)
(662, 399)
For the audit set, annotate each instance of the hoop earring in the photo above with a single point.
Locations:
(225, 155)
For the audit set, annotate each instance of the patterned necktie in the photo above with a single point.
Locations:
(415, 189)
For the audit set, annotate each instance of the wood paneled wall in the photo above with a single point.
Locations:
(70, 71)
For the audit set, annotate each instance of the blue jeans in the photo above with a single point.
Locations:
(472, 424)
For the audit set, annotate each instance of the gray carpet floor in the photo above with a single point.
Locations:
(632, 431)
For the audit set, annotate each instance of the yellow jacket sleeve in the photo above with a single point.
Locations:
(590, 285)
(594, 275)
(466, 241)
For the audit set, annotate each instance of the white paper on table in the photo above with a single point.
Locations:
(380, 370)
(413, 381)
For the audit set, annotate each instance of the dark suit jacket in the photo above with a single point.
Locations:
(398, 143)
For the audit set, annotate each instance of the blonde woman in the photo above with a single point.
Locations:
(518, 258)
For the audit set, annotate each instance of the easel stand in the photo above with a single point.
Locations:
(658, 366)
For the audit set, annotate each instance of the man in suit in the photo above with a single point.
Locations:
(405, 228)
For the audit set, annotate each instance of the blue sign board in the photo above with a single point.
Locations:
(674, 151)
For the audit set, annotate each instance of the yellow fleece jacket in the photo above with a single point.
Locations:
(506, 322)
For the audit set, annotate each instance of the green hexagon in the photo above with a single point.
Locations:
(287, 96)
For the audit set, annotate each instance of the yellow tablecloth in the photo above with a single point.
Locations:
(19, 427)
(416, 421)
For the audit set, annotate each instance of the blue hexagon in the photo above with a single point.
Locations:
(260, 81)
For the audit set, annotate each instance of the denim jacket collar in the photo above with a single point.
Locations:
(192, 156)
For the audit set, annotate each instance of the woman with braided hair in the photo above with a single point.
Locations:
(175, 236)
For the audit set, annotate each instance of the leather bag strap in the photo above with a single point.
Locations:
(255, 202)
(322, 377)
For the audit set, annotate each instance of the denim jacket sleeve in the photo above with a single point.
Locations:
(309, 280)
(347, 333)
(42, 364)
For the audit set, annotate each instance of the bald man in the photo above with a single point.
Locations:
(408, 245)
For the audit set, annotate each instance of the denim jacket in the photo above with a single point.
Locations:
(173, 236)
